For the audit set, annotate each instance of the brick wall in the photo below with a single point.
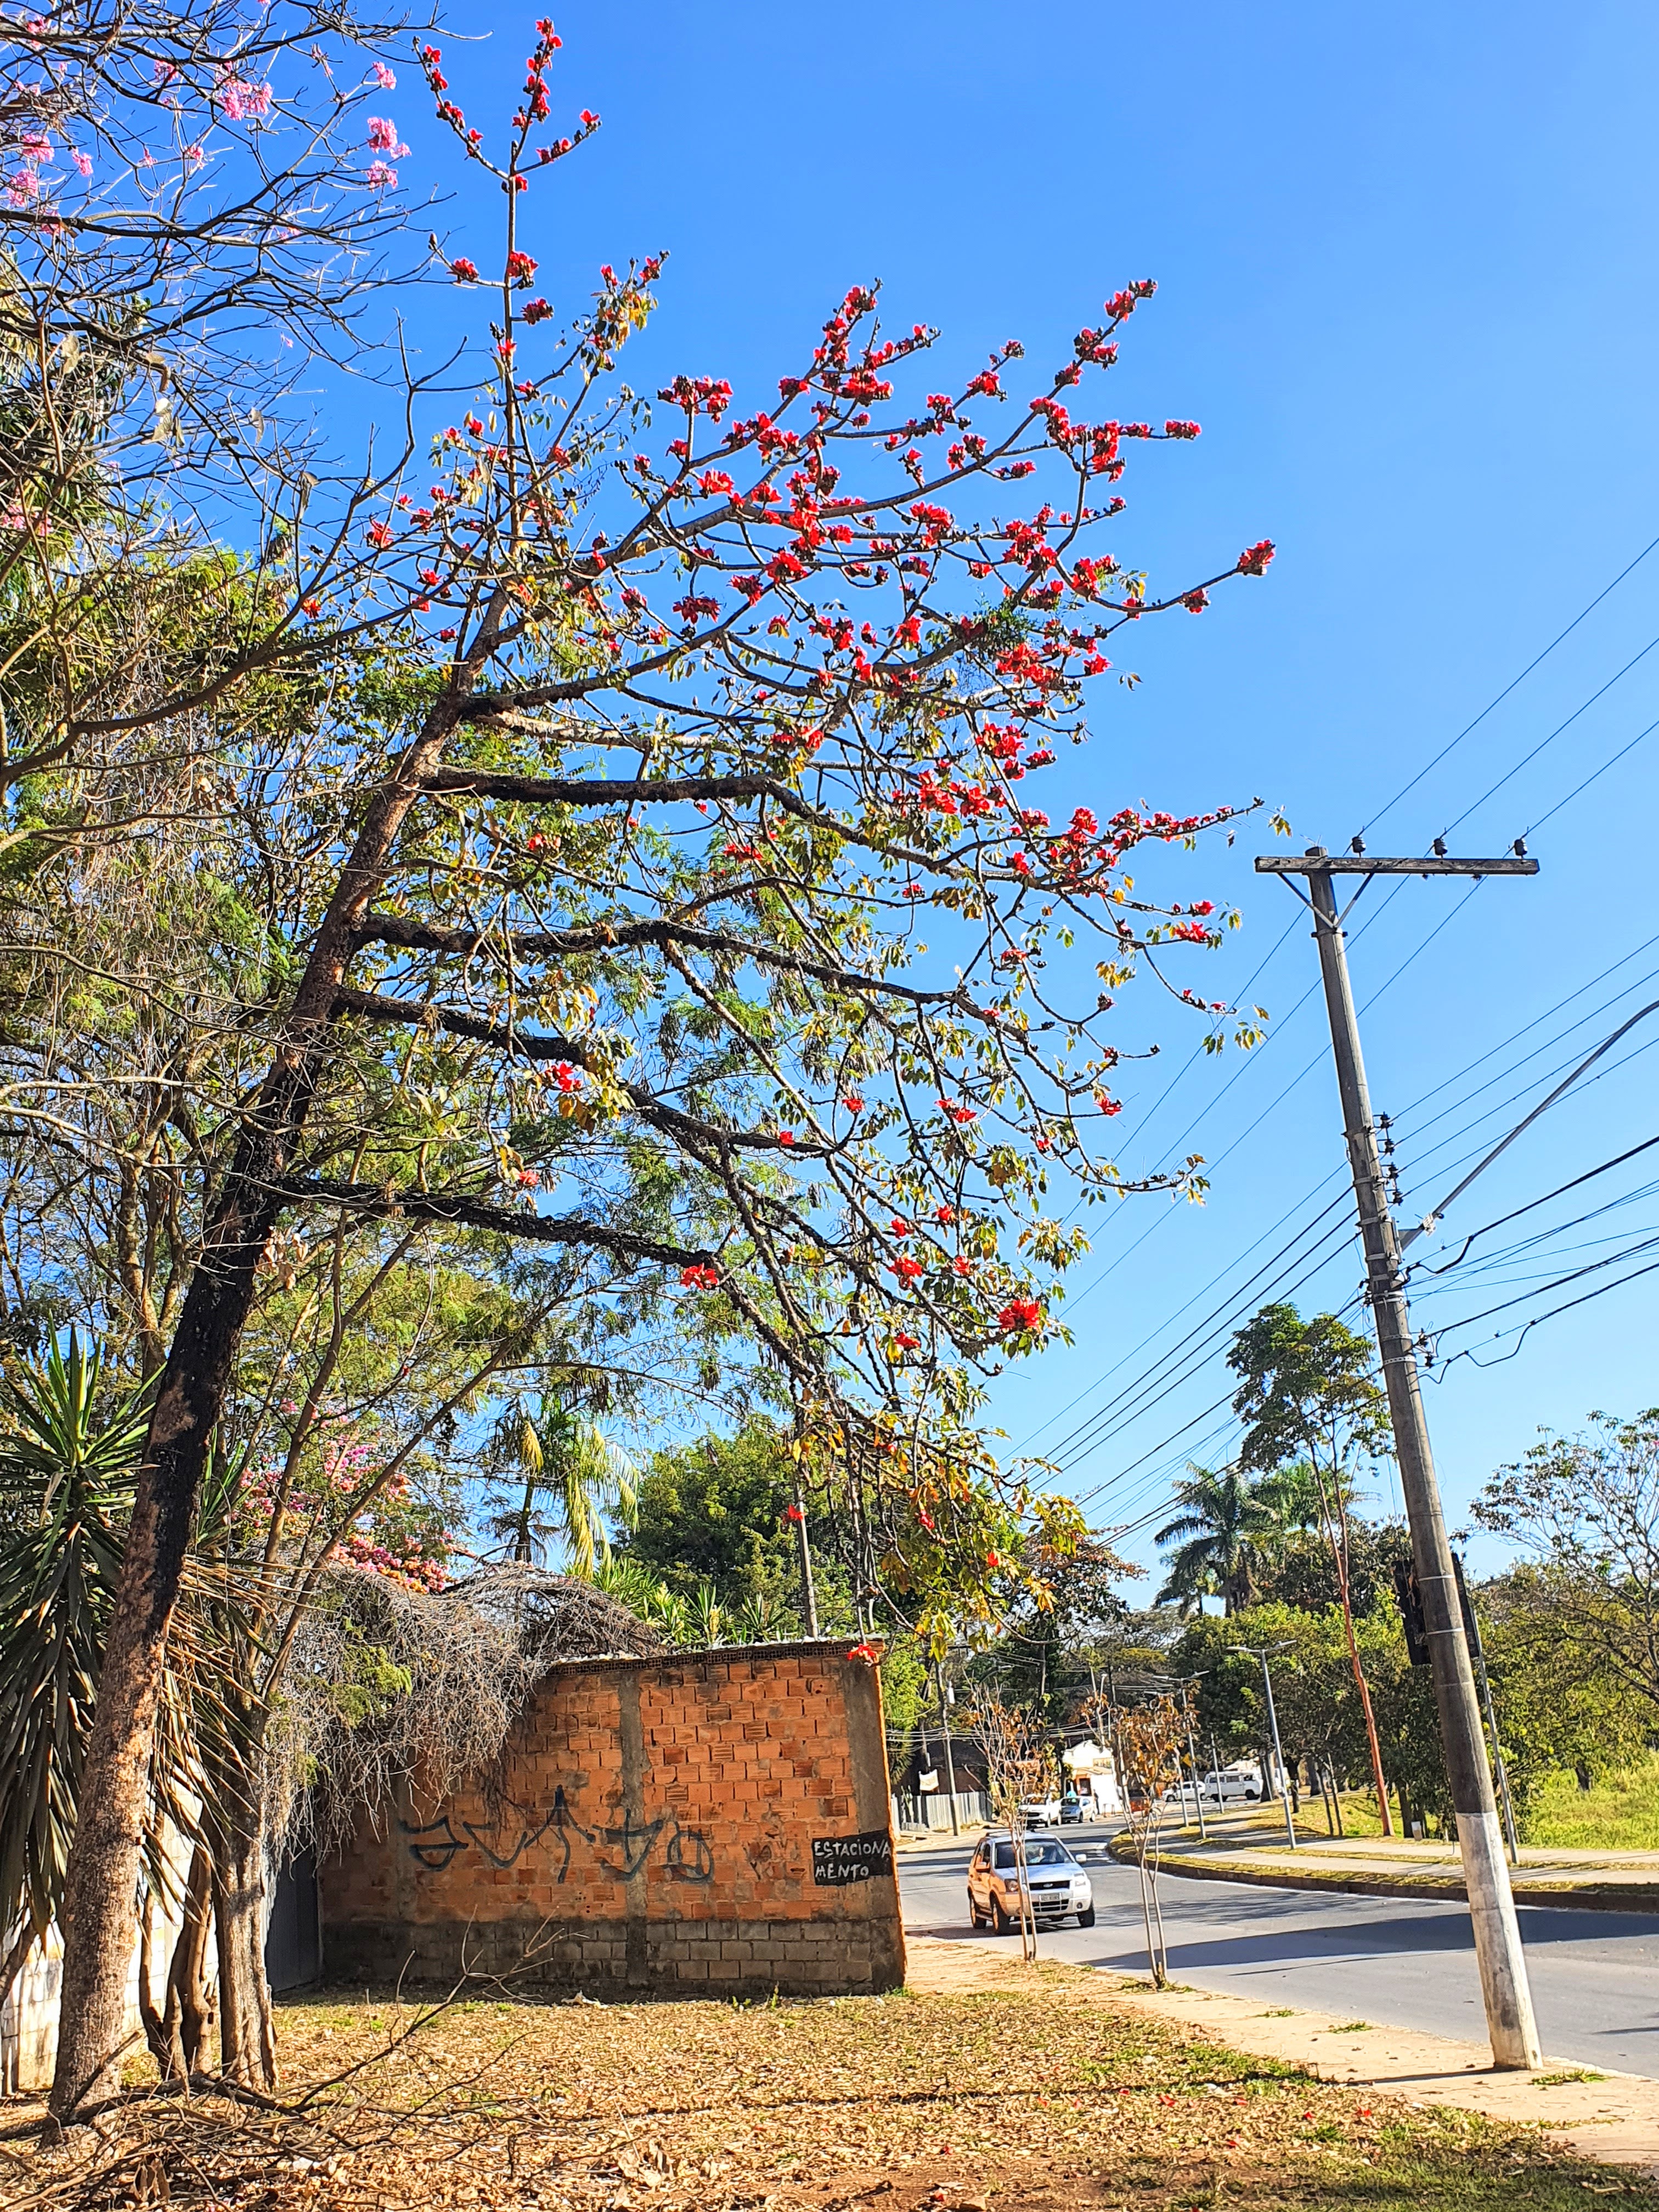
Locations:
(649, 1827)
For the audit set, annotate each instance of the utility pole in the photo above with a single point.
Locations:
(1261, 1655)
(1503, 1982)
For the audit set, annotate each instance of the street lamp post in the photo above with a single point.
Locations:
(1262, 1654)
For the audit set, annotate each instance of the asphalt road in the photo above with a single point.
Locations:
(1390, 1960)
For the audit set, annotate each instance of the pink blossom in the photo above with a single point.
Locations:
(239, 100)
(193, 156)
(381, 178)
(383, 138)
(385, 78)
(82, 162)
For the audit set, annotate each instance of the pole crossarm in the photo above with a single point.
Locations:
(1371, 863)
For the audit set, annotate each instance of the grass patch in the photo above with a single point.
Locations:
(1350, 2028)
(1037, 2097)
(1619, 1814)
(1567, 2074)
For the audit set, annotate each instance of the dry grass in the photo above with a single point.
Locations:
(1031, 2097)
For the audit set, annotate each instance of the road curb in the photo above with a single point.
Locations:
(1602, 1897)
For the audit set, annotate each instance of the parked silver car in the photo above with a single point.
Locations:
(1058, 1884)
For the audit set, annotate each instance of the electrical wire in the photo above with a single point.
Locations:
(1538, 1320)
(1527, 759)
(1099, 1428)
(1560, 1191)
(1492, 705)
(1226, 1327)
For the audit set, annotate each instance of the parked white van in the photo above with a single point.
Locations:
(1240, 1780)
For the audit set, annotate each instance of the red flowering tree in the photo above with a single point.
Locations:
(704, 722)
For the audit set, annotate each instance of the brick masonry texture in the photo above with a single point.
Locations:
(649, 1828)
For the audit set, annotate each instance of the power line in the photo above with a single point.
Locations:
(1538, 1319)
(1594, 777)
(1097, 1429)
(1272, 1107)
(1526, 759)
(1492, 705)
(1593, 1267)
(1533, 1204)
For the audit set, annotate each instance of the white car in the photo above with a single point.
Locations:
(1039, 1812)
(1234, 1782)
(1057, 1885)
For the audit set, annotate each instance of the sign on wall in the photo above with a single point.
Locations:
(838, 1859)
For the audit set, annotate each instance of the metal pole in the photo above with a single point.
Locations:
(1278, 1756)
(1191, 1760)
(1472, 1622)
(1504, 1984)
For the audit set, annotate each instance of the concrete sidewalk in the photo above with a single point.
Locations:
(1382, 1866)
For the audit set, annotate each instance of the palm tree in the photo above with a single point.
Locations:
(572, 1477)
(1292, 1499)
(1225, 1524)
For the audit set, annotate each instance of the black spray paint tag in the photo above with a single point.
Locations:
(837, 1859)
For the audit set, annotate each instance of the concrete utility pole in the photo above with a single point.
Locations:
(1504, 1984)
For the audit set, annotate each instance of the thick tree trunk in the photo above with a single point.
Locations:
(247, 2035)
(101, 1883)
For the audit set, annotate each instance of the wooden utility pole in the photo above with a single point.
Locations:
(1504, 1984)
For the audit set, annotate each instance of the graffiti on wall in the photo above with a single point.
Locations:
(621, 1851)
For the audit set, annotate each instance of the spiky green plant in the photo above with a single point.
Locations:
(68, 1457)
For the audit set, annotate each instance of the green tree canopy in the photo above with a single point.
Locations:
(1307, 1391)
(714, 1512)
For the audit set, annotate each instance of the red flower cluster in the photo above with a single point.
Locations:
(1019, 1314)
(699, 1278)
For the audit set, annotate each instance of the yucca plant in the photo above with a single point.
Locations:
(68, 1462)
(69, 1449)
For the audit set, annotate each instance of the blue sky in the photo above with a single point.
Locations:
(1406, 264)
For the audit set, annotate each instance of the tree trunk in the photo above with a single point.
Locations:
(247, 2034)
(102, 1880)
(177, 2033)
